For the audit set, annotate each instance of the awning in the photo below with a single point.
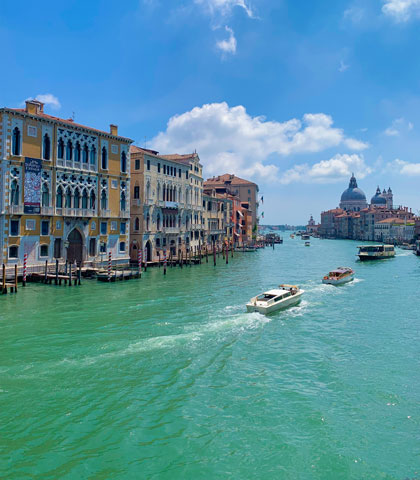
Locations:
(240, 213)
(237, 234)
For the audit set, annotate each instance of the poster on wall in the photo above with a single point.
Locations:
(32, 187)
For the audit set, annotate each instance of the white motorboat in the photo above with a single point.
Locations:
(307, 244)
(339, 276)
(276, 299)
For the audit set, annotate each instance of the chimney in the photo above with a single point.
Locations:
(113, 130)
(34, 107)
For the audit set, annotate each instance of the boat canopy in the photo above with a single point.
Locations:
(340, 270)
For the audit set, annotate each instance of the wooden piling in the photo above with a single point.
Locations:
(4, 288)
(227, 253)
(25, 260)
(80, 274)
(164, 262)
(46, 271)
(16, 278)
(214, 254)
(69, 274)
(56, 272)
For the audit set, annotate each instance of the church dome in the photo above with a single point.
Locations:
(353, 193)
(378, 199)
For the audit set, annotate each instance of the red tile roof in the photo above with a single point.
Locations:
(67, 121)
(229, 178)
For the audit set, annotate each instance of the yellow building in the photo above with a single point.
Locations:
(64, 189)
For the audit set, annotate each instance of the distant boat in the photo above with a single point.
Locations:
(376, 252)
(307, 244)
(276, 299)
(339, 276)
(305, 236)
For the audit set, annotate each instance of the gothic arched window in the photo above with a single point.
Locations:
(45, 195)
(14, 193)
(77, 152)
(123, 162)
(59, 198)
(85, 154)
(84, 199)
(16, 141)
(47, 147)
(76, 202)
(60, 149)
(93, 156)
(69, 150)
(104, 163)
(123, 202)
(92, 200)
(68, 198)
(103, 200)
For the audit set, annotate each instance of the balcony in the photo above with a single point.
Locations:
(73, 212)
(136, 202)
(47, 211)
(60, 162)
(15, 209)
(104, 212)
(172, 205)
(175, 230)
(124, 214)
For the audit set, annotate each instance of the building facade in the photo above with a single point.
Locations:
(247, 193)
(395, 230)
(165, 212)
(64, 189)
(217, 218)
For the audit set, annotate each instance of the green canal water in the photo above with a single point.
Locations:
(169, 378)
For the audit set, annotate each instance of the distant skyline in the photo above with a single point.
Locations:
(292, 95)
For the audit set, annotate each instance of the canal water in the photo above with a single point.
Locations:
(168, 377)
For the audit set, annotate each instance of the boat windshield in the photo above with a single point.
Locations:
(265, 297)
(371, 248)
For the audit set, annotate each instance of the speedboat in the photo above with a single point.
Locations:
(282, 297)
(307, 244)
(305, 236)
(376, 252)
(339, 276)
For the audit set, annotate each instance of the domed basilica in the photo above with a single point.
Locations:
(353, 199)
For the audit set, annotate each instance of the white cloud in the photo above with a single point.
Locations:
(355, 14)
(228, 46)
(49, 100)
(343, 67)
(399, 125)
(401, 10)
(228, 139)
(404, 168)
(225, 7)
(333, 170)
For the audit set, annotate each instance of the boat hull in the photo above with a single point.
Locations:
(374, 257)
(341, 281)
(288, 302)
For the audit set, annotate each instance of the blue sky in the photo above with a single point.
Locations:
(294, 94)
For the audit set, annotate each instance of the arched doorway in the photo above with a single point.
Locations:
(149, 251)
(134, 251)
(75, 248)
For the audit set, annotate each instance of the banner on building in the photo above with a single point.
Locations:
(32, 187)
